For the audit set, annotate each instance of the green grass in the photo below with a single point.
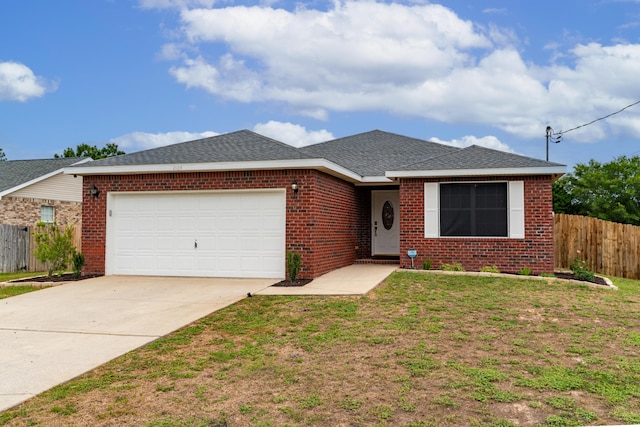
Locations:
(6, 277)
(420, 350)
(12, 291)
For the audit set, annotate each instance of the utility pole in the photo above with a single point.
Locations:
(555, 138)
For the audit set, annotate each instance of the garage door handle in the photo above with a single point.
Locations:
(195, 245)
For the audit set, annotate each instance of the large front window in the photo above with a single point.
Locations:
(473, 209)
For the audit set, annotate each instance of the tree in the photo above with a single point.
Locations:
(3, 157)
(54, 246)
(609, 191)
(86, 150)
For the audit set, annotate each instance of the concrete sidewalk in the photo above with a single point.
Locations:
(53, 335)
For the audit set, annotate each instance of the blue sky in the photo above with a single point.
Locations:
(145, 73)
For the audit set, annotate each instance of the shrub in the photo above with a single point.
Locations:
(54, 246)
(293, 265)
(580, 269)
(455, 266)
(78, 263)
(427, 265)
(525, 271)
(490, 269)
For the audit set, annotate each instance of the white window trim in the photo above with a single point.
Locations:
(515, 211)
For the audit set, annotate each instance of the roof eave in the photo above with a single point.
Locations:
(551, 170)
(318, 164)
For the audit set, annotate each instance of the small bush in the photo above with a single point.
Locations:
(78, 263)
(490, 269)
(525, 271)
(293, 265)
(455, 266)
(427, 265)
(547, 275)
(580, 271)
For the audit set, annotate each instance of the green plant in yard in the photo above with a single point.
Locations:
(54, 246)
(525, 271)
(490, 269)
(78, 263)
(455, 266)
(580, 269)
(427, 264)
(293, 265)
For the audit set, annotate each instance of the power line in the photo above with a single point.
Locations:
(562, 132)
(556, 137)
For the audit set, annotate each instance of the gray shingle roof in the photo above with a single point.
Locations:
(369, 154)
(372, 153)
(476, 157)
(16, 172)
(240, 146)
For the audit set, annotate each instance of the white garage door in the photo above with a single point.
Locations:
(207, 234)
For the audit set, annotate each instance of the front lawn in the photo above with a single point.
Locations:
(419, 350)
(10, 291)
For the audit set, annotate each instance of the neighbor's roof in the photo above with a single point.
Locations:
(15, 174)
(373, 157)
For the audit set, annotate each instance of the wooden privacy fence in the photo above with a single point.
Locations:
(14, 248)
(608, 247)
(17, 244)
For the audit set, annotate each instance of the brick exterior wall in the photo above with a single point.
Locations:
(26, 211)
(535, 251)
(322, 223)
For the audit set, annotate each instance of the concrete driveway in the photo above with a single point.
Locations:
(55, 334)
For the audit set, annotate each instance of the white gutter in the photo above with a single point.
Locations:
(319, 164)
(552, 170)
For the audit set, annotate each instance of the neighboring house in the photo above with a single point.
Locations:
(232, 205)
(38, 190)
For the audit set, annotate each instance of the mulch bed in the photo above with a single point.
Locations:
(66, 277)
(288, 283)
(570, 276)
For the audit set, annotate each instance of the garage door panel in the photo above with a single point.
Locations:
(239, 234)
(145, 243)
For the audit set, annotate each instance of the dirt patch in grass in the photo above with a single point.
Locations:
(419, 350)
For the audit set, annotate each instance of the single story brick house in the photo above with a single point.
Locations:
(38, 190)
(232, 206)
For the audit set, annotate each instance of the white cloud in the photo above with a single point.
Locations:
(137, 141)
(416, 60)
(295, 135)
(489, 141)
(18, 83)
(306, 57)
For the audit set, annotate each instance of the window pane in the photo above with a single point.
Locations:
(491, 222)
(47, 214)
(469, 210)
(455, 222)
